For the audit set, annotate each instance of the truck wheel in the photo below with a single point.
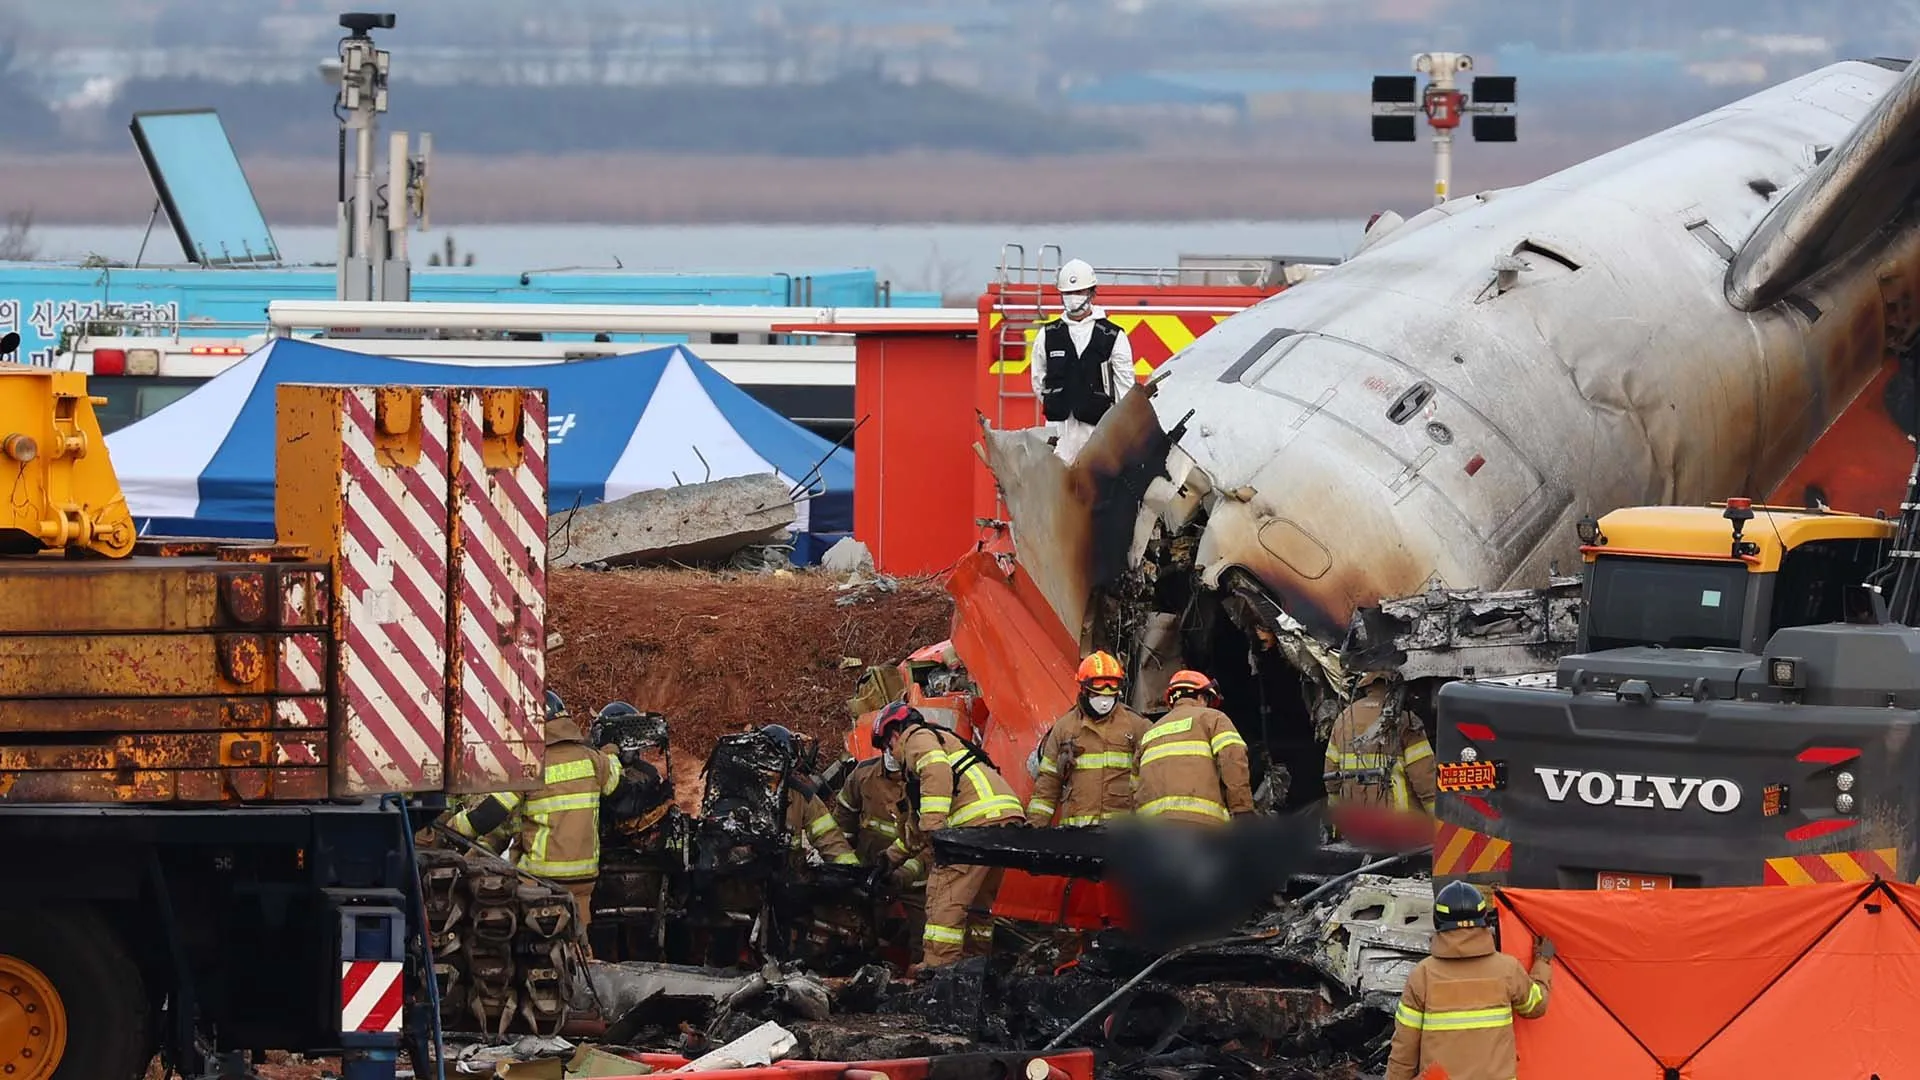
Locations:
(72, 1003)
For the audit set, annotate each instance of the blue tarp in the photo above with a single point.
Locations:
(203, 465)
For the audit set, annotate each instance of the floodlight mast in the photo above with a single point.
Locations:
(1396, 102)
(372, 260)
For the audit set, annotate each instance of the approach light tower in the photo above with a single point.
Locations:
(1398, 98)
(373, 240)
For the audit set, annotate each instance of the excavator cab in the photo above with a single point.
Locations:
(1725, 576)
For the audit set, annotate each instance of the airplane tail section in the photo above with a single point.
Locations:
(1860, 188)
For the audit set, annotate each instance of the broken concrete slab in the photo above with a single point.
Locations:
(693, 523)
(847, 556)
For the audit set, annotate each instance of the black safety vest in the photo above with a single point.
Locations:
(1075, 384)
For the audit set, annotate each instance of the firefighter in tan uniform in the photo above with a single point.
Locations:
(1191, 765)
(809, 822)
(1088, 753)
(1458, 1007)
(952, 786)
(1379, 768)
(559, 820)
(872, 809)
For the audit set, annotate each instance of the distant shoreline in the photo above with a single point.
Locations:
(1167, 184)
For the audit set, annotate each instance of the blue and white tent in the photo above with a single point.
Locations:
(204, 465)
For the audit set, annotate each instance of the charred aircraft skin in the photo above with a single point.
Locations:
(1446, 404)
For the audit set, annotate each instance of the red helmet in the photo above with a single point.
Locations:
(892, 717)
(1100, 670)
(1192, 682)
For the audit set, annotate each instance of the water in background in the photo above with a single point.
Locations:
(953, 259)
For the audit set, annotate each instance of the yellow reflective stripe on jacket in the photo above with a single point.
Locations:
(883, 826)
(1225, 739)
(1110, 759)
(553, 804)
(821, 826)
(1464, 1019)
(1533, 998)
(847, 858)
(945, 935)
(936, 804)
(569, 770)
(1093, 819)
(1049, 767)
(1183, 748)
(1409, 1016)
(990, 805)
(1165, 728)
(533, 864)
(1418, 750)
(1040, 806)
(1169, 804)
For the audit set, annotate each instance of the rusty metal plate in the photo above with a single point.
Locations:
(147, 665)
(194, 750)
(200, 786)
(40, 596)
(134, 715)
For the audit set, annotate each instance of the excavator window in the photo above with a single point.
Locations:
(1815, 578)
(1668, 603)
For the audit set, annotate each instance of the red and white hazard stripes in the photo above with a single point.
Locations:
(303, 664)
(307, 712)
(370, 997)
(391, 596)
(499, 584)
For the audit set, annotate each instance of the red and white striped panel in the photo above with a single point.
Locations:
(391, 593)
(370, 997)
(303, 664)
(500, 602)
(305, 712)
(303, 598)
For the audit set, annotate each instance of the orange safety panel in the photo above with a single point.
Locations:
(1812, 982)
(1859, 463)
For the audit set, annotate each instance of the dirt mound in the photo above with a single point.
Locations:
(723, 652)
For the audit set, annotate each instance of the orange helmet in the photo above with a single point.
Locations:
(1100, 671)
(1191, 682)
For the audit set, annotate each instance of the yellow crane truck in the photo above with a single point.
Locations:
(210, 752)
(1740, 709)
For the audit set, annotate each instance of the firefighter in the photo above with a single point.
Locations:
(560, 819)
(808, 819)
(1379, 767)
(1080, 364)
(1459, 1003)
(1089, 753)
(1191, 765)
(872, 809)
(951, 784)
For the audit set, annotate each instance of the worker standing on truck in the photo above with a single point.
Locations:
(1080, 364)
(1088, 753)
(1379, 768)
(1459, 1003)
(808, 819)
(560, 819)
(950, 784)
(1191, 765)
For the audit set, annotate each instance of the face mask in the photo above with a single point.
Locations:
(1102, 705)
(1078, 302)
(887, 761)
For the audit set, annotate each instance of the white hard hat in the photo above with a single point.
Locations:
(1076, 276)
